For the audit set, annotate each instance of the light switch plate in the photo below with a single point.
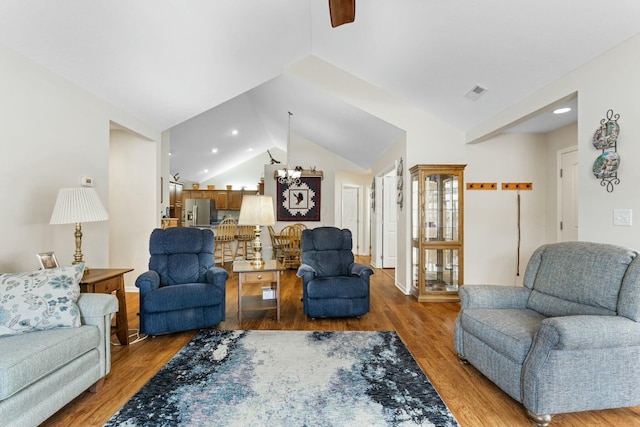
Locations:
(622, 217)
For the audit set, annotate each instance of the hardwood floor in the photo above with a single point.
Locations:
(426, 329)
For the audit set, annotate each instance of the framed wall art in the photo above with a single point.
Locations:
(299, 202)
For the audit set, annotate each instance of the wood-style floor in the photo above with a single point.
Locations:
(425, 328)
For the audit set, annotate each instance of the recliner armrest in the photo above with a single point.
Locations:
(493, 296)
(361, 270)
(306, 272)
(217, 276)
(148, 281)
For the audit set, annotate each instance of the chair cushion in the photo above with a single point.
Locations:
(181, 255)
(576, 278)
(183, 296)
(509, 332)
(26, 358)
(328, 251)
(337, 287)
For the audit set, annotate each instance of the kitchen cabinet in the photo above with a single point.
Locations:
(437, 237)
(220, 196)
(235, 200)
(226, 200)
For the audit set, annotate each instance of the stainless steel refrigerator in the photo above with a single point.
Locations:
(200, 212)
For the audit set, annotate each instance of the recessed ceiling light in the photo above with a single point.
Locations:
(215, 150)
(234, 132)
(206, 170)
(250, 149)
(169, 153)
(562, 110)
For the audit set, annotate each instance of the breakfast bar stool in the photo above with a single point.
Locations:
(224, 239)
(245, 234)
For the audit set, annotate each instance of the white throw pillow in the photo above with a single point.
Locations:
(39, 300)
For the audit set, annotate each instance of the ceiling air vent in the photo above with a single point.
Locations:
(476, 92)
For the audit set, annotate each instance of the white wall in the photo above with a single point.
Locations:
(132, 213)
(53, 134)
(428, 139)
(491, 216)
(608, 82)
(246, 174)
(336, 171)
(558, 140)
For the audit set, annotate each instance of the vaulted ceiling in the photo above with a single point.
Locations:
(170, 61)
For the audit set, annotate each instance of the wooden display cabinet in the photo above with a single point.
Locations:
(437, 237)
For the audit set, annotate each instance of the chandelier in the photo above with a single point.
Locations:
(288, 176)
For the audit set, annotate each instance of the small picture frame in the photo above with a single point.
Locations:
(47, 260)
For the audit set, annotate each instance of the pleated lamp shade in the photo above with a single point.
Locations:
(75, 205)
(256, 210)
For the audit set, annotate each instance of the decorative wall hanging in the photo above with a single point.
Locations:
(300, 202)
(605, 138)
(373, 194)
(400, 183)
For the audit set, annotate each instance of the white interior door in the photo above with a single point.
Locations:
(376, 218)
(350, 202)
(569, 196)
(389, 222)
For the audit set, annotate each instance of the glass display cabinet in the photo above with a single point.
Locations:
(437, 251)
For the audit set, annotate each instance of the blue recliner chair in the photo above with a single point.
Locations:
(333, 285)
(182, 290)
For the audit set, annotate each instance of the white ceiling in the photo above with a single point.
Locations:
(167, 61)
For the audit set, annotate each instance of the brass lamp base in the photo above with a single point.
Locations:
(78, 257)
(257, 261)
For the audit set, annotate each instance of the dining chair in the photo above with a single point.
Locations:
(276, 250)
(245, 234)
(289, 239)
(224, 238)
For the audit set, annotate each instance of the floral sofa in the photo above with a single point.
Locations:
(568, 340)
(54, 343)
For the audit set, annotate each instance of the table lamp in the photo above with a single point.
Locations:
(258, 211)
(78, 205)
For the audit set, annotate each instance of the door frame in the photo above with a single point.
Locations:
(559, 193)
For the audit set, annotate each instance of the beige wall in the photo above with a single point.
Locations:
(608, 82)
(54, 133)
(132, 212)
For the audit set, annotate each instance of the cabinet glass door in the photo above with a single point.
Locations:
(442, 207)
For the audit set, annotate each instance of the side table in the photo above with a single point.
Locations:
(250, 275)
(106, 281)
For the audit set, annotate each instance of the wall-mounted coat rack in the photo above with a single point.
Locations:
(482, 186)
(517, 186)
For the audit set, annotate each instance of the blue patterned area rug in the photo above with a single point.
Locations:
(288, 378)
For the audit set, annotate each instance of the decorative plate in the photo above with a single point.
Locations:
(606, 164)
(606, 135)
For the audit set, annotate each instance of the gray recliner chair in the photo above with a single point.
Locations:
(568, 340)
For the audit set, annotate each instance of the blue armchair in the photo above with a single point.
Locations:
(333, 285)
(182, 290)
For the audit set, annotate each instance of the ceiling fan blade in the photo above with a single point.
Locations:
(342, 12)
